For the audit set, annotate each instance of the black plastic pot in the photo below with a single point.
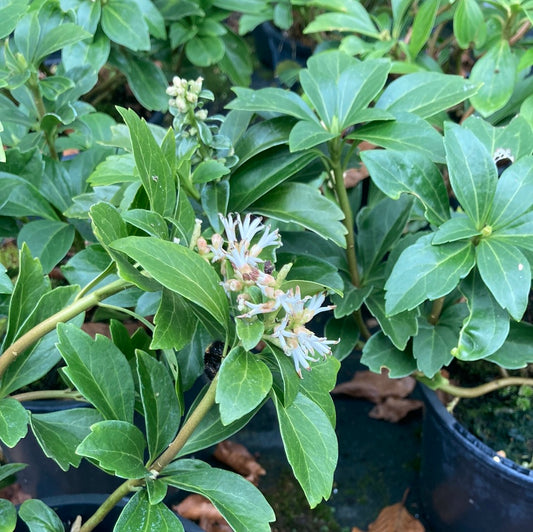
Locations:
(68, 507)
(43, 477)
(273, 46)
(465, 485)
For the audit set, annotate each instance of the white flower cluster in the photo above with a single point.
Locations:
(185, 95)
(289, 311)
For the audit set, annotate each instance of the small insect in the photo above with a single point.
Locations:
(269, 267)
(213, 358)
(503, 159)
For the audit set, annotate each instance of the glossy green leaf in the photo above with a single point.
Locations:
(39, 517)
(346, 333)
(273, 100)
(141, 514)
(209, 171)
(425, 271)
(237, 62)
(214, 199)
(426, 93)
(469, 24)
(8, 516)
(507, 274)
(261, 174)
(13, 421)
(311, 446)
(460, 227)
(486, 327)
(517, 351)
(152, 166)
(518, 233)
(423, 25)
(250, 332)
(378, 228)
(244, 381)
(239, 501)
(514, 191)
(57, 38)
(123, 22)
(117, 446)
(48, 240)
(472, 172)
(397, 172)
(318, 383)
(205, 50)
(10, 13)
(29, 287)
(355, 22)
(306, 134)
(379, 353)
(160, 403)
(299, 203)
(351, 300)
(54, 86)
(339, 86)
(156, 490)
(6, 285)
(149, 221)
(179, 269)
(59, 433)
(285, 380)
(407, 132)
(99, 370)
(114, 169)
(497, 71)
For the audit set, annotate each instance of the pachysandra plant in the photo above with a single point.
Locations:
(214, 284)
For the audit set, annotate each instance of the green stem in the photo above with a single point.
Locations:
(207, 401)
(66, 314)
(335, 149)
(48, 394)
(478, 391)
(436, 310)
(88, 287)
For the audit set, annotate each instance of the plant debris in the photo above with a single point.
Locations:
(240, 460)
(394, 518)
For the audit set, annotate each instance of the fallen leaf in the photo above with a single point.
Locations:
(14, 493)
(394, 518)
(240, 460)
(375, 387)
(197, 508)
(394, 409)
(353, 176)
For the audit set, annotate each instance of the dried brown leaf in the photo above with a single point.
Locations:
(394, 409)
(375, 387)
(396, 518)
(240, 460)
(14, 493)
(353, 176)
(197, 508)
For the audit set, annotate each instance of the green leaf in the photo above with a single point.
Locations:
(237, 62)
(425, 271)
(191, 356)
(426, 93)
(318, 383)
(6, 285)
(398, 328)
(141, 514)
(518, 233)
(181, 270)
(285, 381)
(397, 172)
(13, 421)
(460, 227)
(205, 50)
(211, 430)
(160, 403)
(99, 371)
(472, 172)
(297, 202)
(209, 170)
(273, 100)
(358, 21)
(123, 22)
(114, 169)
(311, 446)
(10, 14)
(423, 25)
(507, 274)
(306, 134)
(250, 332)
(30, 286)
(8, 516)
(261, 174)
(117, 446)
(351, 300)
(149, 221)
(339, 86)
(57, 38)
(54, 86)
(174, 323)
(517, 351)
(8, 470)
(153, 167)
(379, 228)
(407, 132)
(244, 381)
(48, 240)
(239, 501)
(497, 71)
(487, 324)
(59, 433)
(156, 489)
(380, 353)
(513, 194)
(469, 24)
(214, 198)
(347, 334)
(432, 346)
(39, 517)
